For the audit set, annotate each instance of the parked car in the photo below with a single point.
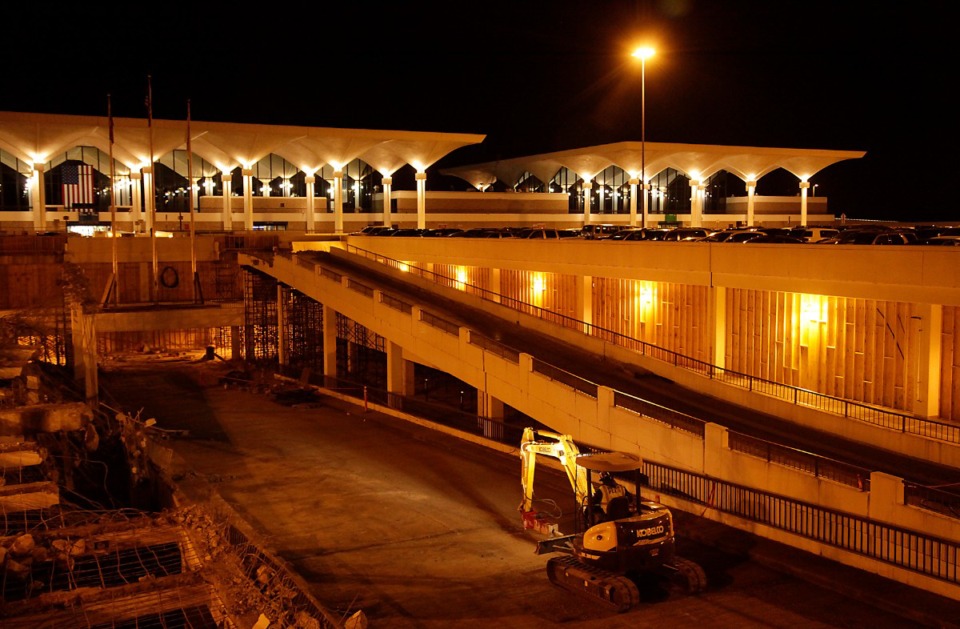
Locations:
(686, 233)
(646, 233)
(761, 237)
(743, 235)
(814, 234)
(375, 230)
(480, 232)
(926, 232)
(541, 233)
(873, 237)
(623, 233)
(943, 241)
(407, 232)
(725, 235)
(596, 231)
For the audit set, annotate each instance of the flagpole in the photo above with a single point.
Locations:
(153, 196)
(197, 294)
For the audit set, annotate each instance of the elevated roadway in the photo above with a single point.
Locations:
(638, 381)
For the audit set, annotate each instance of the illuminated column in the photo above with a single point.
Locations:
(646, 202)
(584, 299)
(338, 201)
(694, 203)
(357, 196)
(38, 199)
(311, 202)
(421, 200)
(587, 186)
(329, 342)
(701, 202)
(804, 186)
(930, 330)
(601, 196)
(193, 194)
(265, 189)
(281, 328)
(718, 320)
(148, 198)
(387, 202)
(633, 201)
(248, 199)
(135, 192)
(751, 193)
(227, 202)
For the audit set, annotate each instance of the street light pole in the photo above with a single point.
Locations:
(643, 53)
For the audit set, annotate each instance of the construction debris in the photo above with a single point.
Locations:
(67, 560)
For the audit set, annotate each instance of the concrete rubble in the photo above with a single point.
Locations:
(69, 560)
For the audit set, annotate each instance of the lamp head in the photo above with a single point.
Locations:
(643, 53)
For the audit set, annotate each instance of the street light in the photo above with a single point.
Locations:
(643, 53)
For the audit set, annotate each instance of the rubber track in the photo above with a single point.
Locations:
(693, 576)
(610, 589)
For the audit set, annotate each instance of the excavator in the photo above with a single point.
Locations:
(610, 547)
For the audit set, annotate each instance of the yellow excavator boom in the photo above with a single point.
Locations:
(560, 447)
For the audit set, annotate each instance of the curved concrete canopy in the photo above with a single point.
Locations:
(697, 161)
(36, 138)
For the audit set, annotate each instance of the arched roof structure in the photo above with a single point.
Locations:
(697, 161)
(36, 138)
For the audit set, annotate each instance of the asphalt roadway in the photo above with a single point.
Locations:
(420, 529)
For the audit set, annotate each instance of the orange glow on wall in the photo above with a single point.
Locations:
(813, 309)
(644, 299)
(538, 285)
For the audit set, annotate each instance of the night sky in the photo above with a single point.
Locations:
(534, 76)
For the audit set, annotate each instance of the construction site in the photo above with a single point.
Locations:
(107, 524)
(96, 532)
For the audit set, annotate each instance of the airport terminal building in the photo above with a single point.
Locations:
(56, 172)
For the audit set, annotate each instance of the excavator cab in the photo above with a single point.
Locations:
(608, 499)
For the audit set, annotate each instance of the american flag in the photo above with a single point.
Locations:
(77, 184)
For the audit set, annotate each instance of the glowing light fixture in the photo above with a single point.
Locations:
(813, 308)
(538, 284)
